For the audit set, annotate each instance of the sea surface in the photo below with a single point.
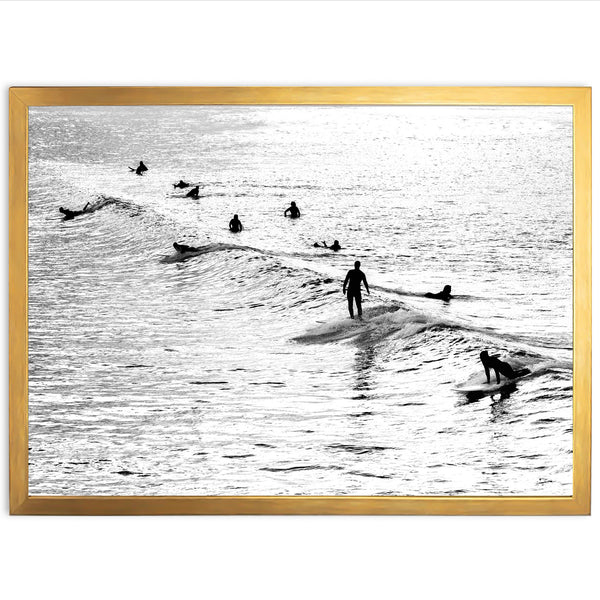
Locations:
(237, 370)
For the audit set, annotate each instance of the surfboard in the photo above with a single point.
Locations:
(478, 383)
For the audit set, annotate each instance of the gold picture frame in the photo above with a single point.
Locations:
(21, 98)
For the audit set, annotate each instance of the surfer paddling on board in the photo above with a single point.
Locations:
(182, 184)
(140, 169)
(500, 367)
(443, 295)
(354, 278)
(71, 214)
(194, 193)
(335, 246)
(235, 225)
(183, 248)
(293, 210)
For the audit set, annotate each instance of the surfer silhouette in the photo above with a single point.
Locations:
(183, 248)
(354, 278)
(293, 210)
(500, 367)
(194, 193)
(335, 246)
(235, 225)
(443, 295)
(140, 169)
(71, 214)
(182, 184)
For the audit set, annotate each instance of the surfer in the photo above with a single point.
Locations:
(335, 246)
(194, 193)
(182, 184)
(443, 295)
(293, 210)
(354, 278)
(183, 248)
(235, 225)
(71, 214)
(140, 169)
(500, 367)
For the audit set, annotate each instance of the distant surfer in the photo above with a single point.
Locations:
(443, 295)
(140, 169)
(182, 184)
(293, 210)
(71, 214)
(354, 278)
(500, 367)
(194, 193)
(235, 225)
(335, 246)
(183, 248)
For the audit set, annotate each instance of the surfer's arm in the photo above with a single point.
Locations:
(346, 282)
(285, 212)
(85, 207)
(487, 372)
(366, 284)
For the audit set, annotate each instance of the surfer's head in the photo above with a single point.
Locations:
(447, 289)
(336, 243)
(357, 264)
(62, 210)
(235, 216)
(293, 203)
(483, 356)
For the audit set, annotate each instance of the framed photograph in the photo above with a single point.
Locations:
(300, 300)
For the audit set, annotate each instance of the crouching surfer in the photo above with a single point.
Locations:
(443, 295)
(500, 367)
(71, 214)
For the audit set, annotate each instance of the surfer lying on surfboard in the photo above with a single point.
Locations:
(500, 367)
(335, 246)
(443, 295)
(182, 184)
(71, 214)
(183, 248)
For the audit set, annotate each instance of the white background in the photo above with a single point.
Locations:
(289, 43)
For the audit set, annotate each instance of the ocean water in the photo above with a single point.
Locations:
(237, 370)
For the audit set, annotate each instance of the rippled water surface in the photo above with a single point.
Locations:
(236, 370)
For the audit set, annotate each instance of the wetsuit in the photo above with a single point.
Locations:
(354, 278)
(501, 368)
(193, 193)
(141, 169)
(184, 248)
(294, 212)
(235, 225)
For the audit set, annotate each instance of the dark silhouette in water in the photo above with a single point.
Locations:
(71, 214)
(293, 210)
(183, 248)
(194, 193)
(335, 246)
(140, 169)
(235, 225)
(500, 367)
(182, 184)
(443, 295)
(354, 278)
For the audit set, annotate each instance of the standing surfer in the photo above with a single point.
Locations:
(354, 278)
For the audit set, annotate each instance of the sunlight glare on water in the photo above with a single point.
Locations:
(237, 370)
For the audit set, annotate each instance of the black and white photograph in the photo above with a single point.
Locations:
(300, 300)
